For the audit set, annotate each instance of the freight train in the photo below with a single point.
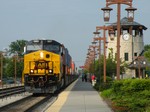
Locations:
(48, 66)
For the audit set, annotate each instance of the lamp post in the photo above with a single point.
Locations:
(1, 54)
(15, 66)
(140, 61)
(130, 11)
(104, 28)
(94, 46)
(104, 67)
(88, 60)
(96, 36)
(89, 56)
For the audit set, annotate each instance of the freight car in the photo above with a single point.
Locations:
(48, 66)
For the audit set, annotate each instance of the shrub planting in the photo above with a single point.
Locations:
(130, 95)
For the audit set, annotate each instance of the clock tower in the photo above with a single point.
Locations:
(131, 41)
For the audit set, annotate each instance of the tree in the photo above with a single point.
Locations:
(9, 62)
(17, 47)
(9, 67)
(147, 47)
(147, 52)
(110, 67)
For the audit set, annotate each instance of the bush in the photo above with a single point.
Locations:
(107, 93)
(96, 86)
(140, 85)
(131, 95)
(105, 86)
(100, 86)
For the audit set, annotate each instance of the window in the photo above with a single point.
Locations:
(126, 56)
(136, 32)
(135, 54)
(141, 32)
(125, 31)
(52, 48)
(133, 32)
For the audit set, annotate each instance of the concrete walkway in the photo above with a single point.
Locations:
(79, 97)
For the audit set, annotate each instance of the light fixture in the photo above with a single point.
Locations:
(111, 34)
(106, 11)
(50, 71)
(96, 34)
(130, 13)
(41, 54)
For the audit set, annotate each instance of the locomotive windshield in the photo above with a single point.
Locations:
(33, 46)
(36, 45)
(52, 48)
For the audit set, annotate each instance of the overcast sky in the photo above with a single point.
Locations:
(71, 22)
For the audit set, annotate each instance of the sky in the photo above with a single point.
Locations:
(71, 22)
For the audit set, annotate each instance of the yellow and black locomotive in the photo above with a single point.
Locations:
(47, 66)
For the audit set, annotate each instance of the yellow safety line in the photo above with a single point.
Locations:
(57, 105)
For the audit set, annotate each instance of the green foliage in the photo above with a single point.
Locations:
(85, 71)
(140, 85)
(9, 70)
(99, 67)
(9, 63)
(146, 47)
(147, 54)
(110, 67)
(106, 93)
(131, 95)
(96, 86)
(116, 86)
(105, 86)
(17, 46)
(101, 86)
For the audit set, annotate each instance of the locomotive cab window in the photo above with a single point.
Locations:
(48, 45)
(52, 48)
(34, 45)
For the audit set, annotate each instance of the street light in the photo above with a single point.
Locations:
(15, 66)
(96, 35)
(140, 61)
(94, 46)
(104, 28)
(130, 15)
(1, 54)
(130, 11)
(106, 13)
(89, 57)
(111, 34)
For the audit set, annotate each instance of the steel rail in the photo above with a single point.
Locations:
(10, 91)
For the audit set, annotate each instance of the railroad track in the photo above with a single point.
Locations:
(30, 104)
(10, 91)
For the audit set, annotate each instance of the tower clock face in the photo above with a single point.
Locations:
(126, 36)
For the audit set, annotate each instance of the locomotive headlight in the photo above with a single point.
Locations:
(50, 71)
(41, 54)
(31, 71)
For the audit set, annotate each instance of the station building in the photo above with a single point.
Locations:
(131, 47)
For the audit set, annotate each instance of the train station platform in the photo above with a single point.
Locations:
(79, 97)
